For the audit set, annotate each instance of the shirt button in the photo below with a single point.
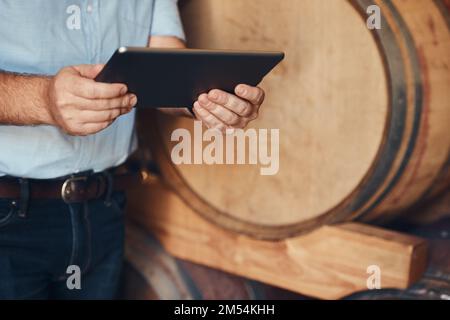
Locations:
(89, 8)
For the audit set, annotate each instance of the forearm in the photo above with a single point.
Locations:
(23, 99)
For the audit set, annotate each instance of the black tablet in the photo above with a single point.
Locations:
(176, 77)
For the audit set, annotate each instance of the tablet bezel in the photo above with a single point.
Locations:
(175, 82)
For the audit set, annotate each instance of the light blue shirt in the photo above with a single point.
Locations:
(41, 37)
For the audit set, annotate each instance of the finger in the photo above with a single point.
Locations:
(231, 102)
(220, 112)
(90, 89)
(208, 118)
(89, 71)
(128, 101)
(197, 115)
(253, 94)
(89, 116)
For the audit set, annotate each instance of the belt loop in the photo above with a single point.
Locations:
(109, 187)
(24, 197)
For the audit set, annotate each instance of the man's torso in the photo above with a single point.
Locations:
(41, 37)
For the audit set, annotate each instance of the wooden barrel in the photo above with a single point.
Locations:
(363, 114)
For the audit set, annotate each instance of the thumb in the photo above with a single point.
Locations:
(89, 71)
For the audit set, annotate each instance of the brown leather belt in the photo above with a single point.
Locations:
(74, 189)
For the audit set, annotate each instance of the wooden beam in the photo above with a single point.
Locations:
(329, 263)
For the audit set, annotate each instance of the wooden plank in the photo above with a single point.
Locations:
(329, 263)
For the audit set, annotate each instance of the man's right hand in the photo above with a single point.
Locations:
(80, 106)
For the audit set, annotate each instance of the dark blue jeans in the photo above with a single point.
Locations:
(36, 250)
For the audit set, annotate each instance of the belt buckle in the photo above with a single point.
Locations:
(70, 187)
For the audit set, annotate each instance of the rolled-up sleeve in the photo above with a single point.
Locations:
(166, 19)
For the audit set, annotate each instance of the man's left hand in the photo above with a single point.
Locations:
(221, 110)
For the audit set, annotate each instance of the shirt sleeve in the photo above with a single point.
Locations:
(166, 19)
